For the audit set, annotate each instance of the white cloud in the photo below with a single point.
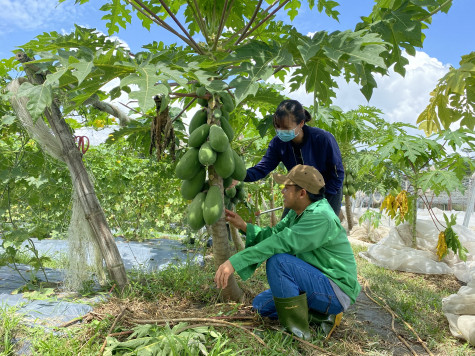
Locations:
(33, 14)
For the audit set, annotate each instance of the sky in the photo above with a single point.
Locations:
(400, 98)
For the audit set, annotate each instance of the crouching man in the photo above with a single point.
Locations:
(311, 269)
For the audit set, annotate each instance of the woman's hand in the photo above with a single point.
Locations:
(222, 274)
(236, 220)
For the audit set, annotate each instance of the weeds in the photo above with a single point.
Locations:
(9, 329)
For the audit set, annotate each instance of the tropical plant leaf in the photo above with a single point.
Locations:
(39, 97)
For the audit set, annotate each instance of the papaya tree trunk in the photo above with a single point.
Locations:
(349, 214)
(221, 247)
(238, 243)
(83, 185)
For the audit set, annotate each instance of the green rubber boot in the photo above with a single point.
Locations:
(293, 315)
(327, 323)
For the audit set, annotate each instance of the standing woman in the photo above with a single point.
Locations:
(297, 143)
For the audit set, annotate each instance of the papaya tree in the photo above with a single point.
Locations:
(226, 53)
(434, 163)
(453, 99)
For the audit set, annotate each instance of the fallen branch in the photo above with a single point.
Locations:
(394, 316)
(112, 328)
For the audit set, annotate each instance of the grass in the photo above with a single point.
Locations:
(188, 291)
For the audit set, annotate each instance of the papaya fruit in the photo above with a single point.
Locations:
(200, 91)
(203, 102)
(228, 102)
(199, 136)
(240, 171)
(189, 188)
(240, 193)
(213, 205)
(198, 119)
(195, 212)
(224, 164)
(230, 192)
(218, 139)
(206, 156)
(226, 126)
(217, 113)
(345, 190)
(227, 182)
(349, 179)
(351, 190)
(189, 165)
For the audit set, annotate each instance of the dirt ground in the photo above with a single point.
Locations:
(375, 320)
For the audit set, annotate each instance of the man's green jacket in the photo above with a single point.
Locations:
(315, 236)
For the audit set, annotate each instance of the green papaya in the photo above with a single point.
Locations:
(345, 190)
(225, 113)
(199, 136)
(189, 188)
(230, 192)
(201, 91)
(224, 164)
(213, 205)
(240, 171)
(195, 212)
(218, 139)
(228, 102)
(227, 181)
(203, 102)
(226, 126)
(240, 193)
(217, 113)
(351, 190)
(198, 119)
(189, 165)
(207, 156)
(349, 179)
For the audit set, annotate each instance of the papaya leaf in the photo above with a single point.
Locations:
(117, 15)
(439, 181)
(145, 78)
(39, 97)
(83, 68)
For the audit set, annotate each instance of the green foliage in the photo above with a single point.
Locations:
(181, 339)
(452, 239)
(452, 100)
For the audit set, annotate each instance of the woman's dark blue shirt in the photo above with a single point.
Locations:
(318, 149)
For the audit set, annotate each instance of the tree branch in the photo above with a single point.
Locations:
(436, 10)
(224, 17)
(144, 10)
(246, 27)
(199, 19)
(251, 21)
(172, 15)
(265, 19)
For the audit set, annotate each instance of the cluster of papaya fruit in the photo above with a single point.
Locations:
(348, 188)
(209, 145)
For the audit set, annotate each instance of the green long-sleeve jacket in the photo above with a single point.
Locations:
(315, 236)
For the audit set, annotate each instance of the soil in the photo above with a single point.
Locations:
(377, 321)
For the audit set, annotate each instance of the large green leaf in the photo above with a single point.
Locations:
(39, 97)
(117, 15)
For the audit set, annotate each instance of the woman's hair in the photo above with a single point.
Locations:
(291, 108)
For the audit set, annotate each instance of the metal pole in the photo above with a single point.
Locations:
(471, 201)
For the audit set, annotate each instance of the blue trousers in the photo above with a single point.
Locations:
(289, 276)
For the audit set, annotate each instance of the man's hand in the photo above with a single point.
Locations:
(236, 220)
(222, 274)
